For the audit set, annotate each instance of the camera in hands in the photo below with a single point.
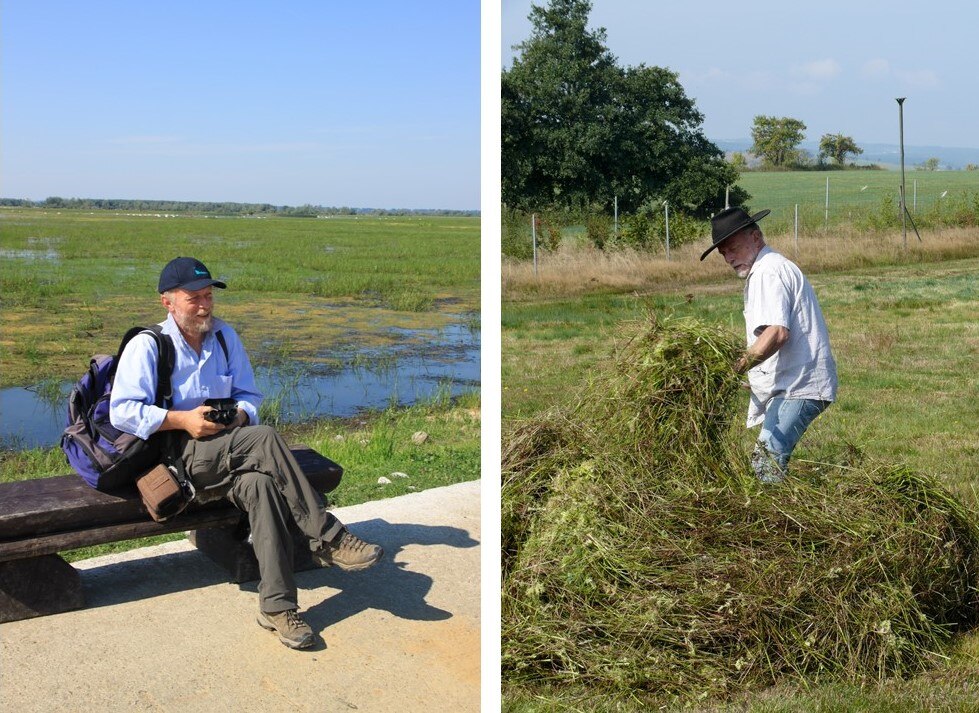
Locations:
(223, 411)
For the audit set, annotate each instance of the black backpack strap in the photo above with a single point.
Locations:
(164, 364)
(224, 346)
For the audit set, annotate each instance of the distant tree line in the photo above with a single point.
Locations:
(266, 209)
(776, 142)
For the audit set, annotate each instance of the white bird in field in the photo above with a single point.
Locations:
(944, 193)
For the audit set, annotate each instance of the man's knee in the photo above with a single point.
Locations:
(264, 432)
(253, 488)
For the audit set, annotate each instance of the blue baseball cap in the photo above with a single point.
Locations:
(186, 273)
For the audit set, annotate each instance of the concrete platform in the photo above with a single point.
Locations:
(165, 631)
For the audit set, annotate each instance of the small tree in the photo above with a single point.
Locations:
(776, 138)
(929, 165)
(738, 161)
(837, 146)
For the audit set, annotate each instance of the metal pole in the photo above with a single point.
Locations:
(914, 195)
(533, 232)
(826, 218)
(667, 207)
(727, 197)
(904, 208)
(616, 216)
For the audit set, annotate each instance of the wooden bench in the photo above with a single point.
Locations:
(40, 518)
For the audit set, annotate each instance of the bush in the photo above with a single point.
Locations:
(646, 229)
(516, 240)
(599, 229)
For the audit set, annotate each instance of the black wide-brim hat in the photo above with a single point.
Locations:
(728, 222)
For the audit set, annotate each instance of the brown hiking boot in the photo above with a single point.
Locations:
(349, 552)
(292, 630)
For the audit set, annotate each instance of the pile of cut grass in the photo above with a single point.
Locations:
(642, 559)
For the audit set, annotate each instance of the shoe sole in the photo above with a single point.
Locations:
(304, 643)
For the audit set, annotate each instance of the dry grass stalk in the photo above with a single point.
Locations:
(579, 269)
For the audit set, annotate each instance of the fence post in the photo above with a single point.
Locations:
(914, 191)
(616, 229)
(727, 197)
(797, 230)
(826, 219)
(666, 207)
(533, 232)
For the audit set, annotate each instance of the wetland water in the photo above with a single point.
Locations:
(416, 365)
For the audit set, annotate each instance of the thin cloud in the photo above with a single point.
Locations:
(171, 146)
(919, 78)
(748, 81)
(820, 70)
(875, 68)
(144, 140)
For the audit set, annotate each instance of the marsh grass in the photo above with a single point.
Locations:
(643, 562)
(101, 279)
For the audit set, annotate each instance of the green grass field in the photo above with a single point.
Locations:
(72, 282)
(854, 192)
(906, 340)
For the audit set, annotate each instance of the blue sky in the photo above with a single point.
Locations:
(368, 104)
(836, 65)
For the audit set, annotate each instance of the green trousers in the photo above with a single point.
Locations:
(253, 467)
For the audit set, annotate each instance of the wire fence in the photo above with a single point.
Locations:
(802, 204)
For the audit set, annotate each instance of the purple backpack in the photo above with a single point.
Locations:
(105, 457)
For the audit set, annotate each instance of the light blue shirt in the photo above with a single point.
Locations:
(195, 378)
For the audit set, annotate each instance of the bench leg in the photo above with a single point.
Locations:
(38, 586)
(229, 547)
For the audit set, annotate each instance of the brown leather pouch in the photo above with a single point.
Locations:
(163, 496)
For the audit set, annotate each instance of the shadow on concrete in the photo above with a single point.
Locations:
(137, 579)
(388, 586)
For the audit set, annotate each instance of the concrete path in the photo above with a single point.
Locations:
(165, 631)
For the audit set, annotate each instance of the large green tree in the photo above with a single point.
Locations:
(837, 147)
(580, 130)
(776, 139)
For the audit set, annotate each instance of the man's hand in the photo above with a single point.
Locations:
(771, 338)
(193, 422)
(742, 364)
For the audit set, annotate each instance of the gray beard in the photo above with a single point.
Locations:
(201, 328)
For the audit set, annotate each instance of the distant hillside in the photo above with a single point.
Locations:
(888, 155)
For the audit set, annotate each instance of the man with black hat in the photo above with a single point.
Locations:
(245, 462)
(790, 366)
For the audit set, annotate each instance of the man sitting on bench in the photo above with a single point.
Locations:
(247, 463)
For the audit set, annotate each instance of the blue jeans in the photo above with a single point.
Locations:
(785, 422)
